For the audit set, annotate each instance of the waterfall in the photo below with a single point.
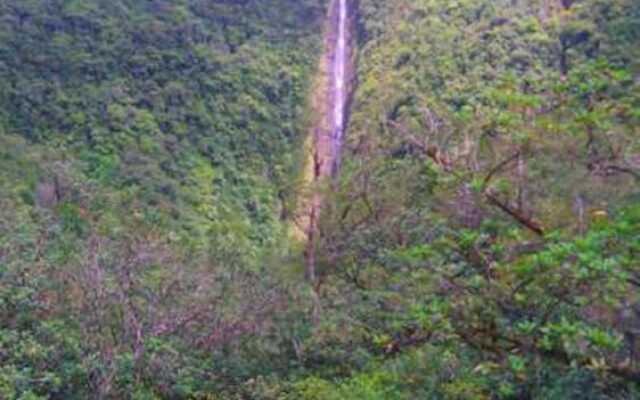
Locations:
(339, 78)
(329, 130)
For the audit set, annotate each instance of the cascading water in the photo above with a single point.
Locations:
(329, 130)
(339, 78)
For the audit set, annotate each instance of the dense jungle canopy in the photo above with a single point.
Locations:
(481, 239)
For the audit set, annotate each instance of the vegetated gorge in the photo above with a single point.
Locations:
(319, 199)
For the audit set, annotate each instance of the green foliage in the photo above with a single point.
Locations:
(482, 241)
(145, 151)
(137, 91)
(513, 275)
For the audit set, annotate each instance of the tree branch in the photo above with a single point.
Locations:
(525, 221)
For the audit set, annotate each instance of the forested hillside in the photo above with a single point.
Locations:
(481, 239)
(188, 108)
(485, 240)
(147, 154)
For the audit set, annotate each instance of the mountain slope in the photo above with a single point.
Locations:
(147, 151)
(486, 228)
(479, 241)
(151, 97)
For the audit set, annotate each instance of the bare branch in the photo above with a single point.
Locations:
(527, 222)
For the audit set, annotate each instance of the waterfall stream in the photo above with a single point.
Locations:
(329, 129)
(339, 77)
